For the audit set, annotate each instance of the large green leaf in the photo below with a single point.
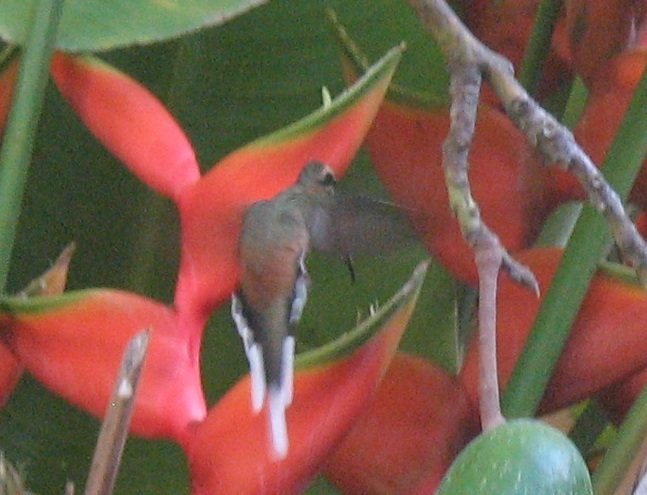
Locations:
(90, 25)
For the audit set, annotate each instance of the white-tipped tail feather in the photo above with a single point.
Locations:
(254, 355)
(241, 323)
(278, 425)
(278, 397)
(256, 370)
(287, 382)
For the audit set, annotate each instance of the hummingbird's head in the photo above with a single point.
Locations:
(316, 175)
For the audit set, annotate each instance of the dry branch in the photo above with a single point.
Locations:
(469, 62)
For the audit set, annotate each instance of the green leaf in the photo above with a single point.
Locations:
(91, 25)
(430, 93)
(18, 138)
(377, 319)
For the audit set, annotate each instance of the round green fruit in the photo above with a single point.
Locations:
(520, 457)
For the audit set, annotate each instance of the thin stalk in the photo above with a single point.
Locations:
(17, 144)
(538, 45)
(589, 426)
(114, 429)
(622, 453)
(588, 242)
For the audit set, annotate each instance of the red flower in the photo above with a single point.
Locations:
(405, 145)
(607, 342)
(417, 423)
(73, 343)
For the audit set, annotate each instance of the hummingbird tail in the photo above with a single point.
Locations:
(254, 354)
(278, 424)
(287, 379)
(257, 372)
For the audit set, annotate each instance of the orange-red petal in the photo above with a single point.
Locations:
(609, 98)
(129, 120)
(7, 83)
(599, 29)
(418, 421)
(618, 398)
(405, 145)
(607, 341)
(211, 211)
(10, 372)
(73, 344)
(230, 451)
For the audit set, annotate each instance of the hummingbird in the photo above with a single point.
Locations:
(275, 239)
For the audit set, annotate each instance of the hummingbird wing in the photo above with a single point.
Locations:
(354, 225)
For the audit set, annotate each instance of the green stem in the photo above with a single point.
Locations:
(621, 454)
(589, 426)
(588, 242)
(7, 54)
(23, 120)
(538, 45)
(576, 103)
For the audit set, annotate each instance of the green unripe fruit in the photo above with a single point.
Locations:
(520, 457)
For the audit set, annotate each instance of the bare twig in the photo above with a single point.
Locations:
(488, 260)
(469, 61)
(114, 430)
(554, 141)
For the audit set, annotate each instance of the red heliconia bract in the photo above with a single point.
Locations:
(418, 421)
(609, 98)
(597, 30)
(73, 345)
(260, 170)
(11, 370)
(129, 120)
(405, 146)
(618, 398)
(50, 283)
(7, 83)
(230, 450)
(135, 127)
(607, 342)
(506, 27)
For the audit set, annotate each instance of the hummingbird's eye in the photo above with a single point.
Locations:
(328, 179)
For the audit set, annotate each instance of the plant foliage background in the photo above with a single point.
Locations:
(231, 71)
(226, 85)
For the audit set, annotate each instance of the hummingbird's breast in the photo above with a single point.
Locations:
(273, 241)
